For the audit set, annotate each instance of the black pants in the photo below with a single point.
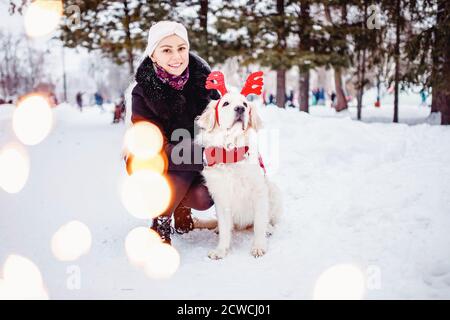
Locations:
(188, 190)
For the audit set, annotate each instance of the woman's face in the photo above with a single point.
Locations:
(172, 54)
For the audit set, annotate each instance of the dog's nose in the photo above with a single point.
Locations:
(239, 109)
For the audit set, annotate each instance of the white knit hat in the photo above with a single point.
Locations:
(164, 29)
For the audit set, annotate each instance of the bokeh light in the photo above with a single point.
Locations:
(157, 164)
(145, 194)
(32, 119)
(144, 140)
(163, 262)
(21, 271)
(14, 168)
(138, 243)
(340, 282)
(21, 280)
(42, 17)
(146, 250)
(71, 241)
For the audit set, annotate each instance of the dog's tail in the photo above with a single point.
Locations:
(275, 202)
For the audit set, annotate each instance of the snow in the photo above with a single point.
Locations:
(372, 195)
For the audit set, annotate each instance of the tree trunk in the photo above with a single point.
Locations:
(441, 64)
(203, 16)
(378, 90)
(441, 102)
(281, 88)
(281, 71)
(434, 100)
(304, 91)
(304, 46)
(361, 85)
(358, 81)
(341, 101)
(444, 100)
(362, 69)
(397, 61)
(64, 75)
(128, 42)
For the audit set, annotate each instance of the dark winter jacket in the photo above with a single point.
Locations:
(170, 109)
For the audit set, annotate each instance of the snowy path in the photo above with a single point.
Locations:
(373, 195)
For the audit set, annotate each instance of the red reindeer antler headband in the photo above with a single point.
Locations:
(216, 80)
(254, 84)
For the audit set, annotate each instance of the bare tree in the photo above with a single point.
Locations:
(10, 76)
(22, 67)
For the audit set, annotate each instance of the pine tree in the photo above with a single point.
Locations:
(337, 46)
(197, 26)
(395, 12)
(305, 31)
(427, 52)
(310, 53)
(258, 33)
(117, 28)
(280, 24)
(441, 61)
(368, 49)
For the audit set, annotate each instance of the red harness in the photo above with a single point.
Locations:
(217, 112)
(216, 155)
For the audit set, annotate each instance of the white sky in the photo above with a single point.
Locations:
(7, 22)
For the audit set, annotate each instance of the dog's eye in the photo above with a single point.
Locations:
(225, 104)
(245, 104)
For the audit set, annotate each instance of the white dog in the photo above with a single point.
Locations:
(243, 195)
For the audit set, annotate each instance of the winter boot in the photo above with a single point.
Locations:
(162, 226)
(183, 219)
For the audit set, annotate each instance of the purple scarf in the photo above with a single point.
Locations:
(176, 82)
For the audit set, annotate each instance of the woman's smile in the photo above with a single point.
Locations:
(175, 65)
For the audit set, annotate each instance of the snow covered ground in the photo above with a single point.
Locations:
(373, 195)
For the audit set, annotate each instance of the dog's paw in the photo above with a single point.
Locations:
(217, 254)
(258, 251)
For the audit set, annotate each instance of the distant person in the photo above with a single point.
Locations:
(321, 96)
(377, 102)
(315, 96)
(79, 98)
(119, 110)
(99, 100)
(333, 98)
(2, 101)
(391, 89)
(423, 98)
(271, 99)
(290, 99)
(53, 99)
(264, 97)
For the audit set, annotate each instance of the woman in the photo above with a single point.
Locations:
(170, 92)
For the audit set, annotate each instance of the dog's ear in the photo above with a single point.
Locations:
(255, 121)
(207, 119)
